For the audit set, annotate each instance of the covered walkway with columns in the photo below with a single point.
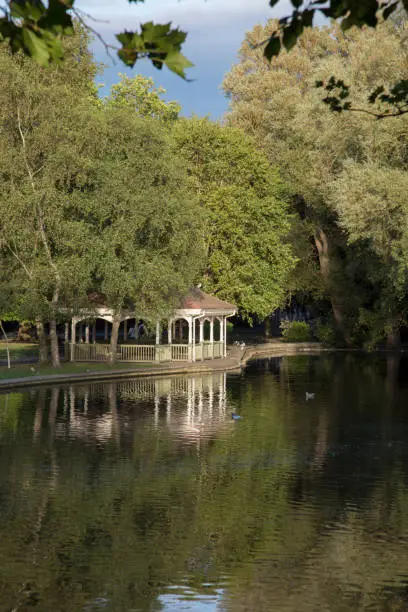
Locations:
(197, 330)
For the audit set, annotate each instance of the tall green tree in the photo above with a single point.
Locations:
(279, 104)
(249, 258)
(145, 219)
(42, 158)
(93, 198)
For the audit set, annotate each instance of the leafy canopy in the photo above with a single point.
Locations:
(329, 160)
(249, 257)
(38, 28)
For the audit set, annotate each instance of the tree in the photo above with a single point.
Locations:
(278, 103)
(145, 220)
(94, 199)
(248, 258)
(139, 95)
(372, 205)
(43, 154)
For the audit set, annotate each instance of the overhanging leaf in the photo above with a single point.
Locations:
(177, 63)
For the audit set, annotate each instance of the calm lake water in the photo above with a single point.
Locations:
(144, 495)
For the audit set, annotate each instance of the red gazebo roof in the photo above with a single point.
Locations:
(198, 300)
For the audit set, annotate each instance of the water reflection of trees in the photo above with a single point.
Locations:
(117, 493)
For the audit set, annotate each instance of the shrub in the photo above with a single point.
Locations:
(325, 333)
(295, 331)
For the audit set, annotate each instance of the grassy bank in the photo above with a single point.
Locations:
(18, 350)
(28, 371)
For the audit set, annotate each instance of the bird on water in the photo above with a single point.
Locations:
(235, 417)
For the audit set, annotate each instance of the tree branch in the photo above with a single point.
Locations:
(20, 261)
(79, 15)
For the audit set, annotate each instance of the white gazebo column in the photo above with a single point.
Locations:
(66, 341)
(87, 333)
(125, 331)
(212, 337)
(193, 353)
(73, 339)
(190, 338)
(202, 338)
(169, 330)
(225, 336)
(157, 332)
(105, 335)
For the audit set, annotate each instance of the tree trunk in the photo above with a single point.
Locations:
(322, 246)
(267, 327)
(7, 345)
(55, 358)
(394, 339)
(114, 338)
(42, 339)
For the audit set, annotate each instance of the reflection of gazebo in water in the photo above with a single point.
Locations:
(197, 330)
(190, 407)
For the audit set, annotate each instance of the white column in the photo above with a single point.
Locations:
(193, 337)
(225, 336)
(73, 339)
(190, 339)
(94, 333)
(211, 329)
(169, 330)
(221, 329)
(66, 333)
(105, 336)
(125, 336)
(157, 332)
(202, 338)
(87, 333)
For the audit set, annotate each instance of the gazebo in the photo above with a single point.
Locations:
(196, 330)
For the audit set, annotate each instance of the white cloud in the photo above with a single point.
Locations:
(188, 14)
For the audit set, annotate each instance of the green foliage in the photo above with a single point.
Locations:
(36, 28)
(41, 29)
(325, 333)
(94, 196)
(295, 331)
(347, 173)
(140, 95)
(249, 258)
(349, 13)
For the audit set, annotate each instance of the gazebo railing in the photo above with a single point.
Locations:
(146, 352)
(180, 352)
(136, 352)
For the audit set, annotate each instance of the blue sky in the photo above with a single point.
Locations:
(215, 29)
